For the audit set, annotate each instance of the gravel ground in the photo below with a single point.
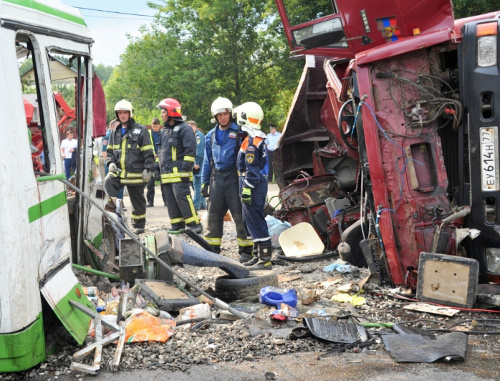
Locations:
(249, 341)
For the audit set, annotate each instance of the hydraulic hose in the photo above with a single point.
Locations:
(96, 272)
(219, 303)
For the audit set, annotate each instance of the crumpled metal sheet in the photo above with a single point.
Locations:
(416, 348)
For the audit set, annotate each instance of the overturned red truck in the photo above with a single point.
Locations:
(390, 148)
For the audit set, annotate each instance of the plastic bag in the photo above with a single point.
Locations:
(276, 227)
(341, 268)
(145, 327)
(194, 312)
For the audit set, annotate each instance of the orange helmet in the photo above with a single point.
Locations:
(172, 106)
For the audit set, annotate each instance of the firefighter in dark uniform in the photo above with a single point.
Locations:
(154, 134)
(252, 162)
(177, 152)
(219, 178)
(130, 159)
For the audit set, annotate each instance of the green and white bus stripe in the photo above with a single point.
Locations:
(47, 9)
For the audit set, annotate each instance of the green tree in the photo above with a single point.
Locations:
(300, 11)
(466, 8)
(197, 50)
(103, 72)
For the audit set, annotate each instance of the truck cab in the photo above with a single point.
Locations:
(394, 120)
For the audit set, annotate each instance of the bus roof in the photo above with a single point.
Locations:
(48, 14)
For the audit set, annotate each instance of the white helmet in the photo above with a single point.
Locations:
(124, 105)
(221, 105)
(249, 115)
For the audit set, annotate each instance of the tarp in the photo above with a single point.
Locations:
(99, 107)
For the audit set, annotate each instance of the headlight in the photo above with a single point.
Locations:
(487, 51)
(493, 260)
(486, 34)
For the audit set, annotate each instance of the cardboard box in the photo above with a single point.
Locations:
(447, 279)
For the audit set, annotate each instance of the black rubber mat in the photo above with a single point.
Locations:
(336, 331)
(416, 348)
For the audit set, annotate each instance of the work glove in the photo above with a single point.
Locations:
(146, 175)
(113, 168)
(185, 179)
(246, 195)
(204, 190)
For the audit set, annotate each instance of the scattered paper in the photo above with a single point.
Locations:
(355, 300)
(309, 297)
(431, 309)
(332, 281)
(287, 278)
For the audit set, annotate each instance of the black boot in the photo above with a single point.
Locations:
(265, 251)
(197, 228)
(246, 254)
(253, 258)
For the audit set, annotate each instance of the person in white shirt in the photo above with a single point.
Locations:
(68, 147)
(271, 144)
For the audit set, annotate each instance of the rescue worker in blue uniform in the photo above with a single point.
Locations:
(220, 179)
(177, 152)
(130, 160)
(252, 164)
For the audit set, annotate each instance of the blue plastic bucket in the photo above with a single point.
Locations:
(273, 296)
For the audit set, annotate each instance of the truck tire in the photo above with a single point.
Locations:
(230, 289)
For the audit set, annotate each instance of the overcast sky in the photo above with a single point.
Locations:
(109, 29)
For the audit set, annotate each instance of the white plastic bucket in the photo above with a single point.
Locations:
(301, 240)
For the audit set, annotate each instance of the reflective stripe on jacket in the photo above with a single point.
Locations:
(252, 160)
(177, 152)
(131, 152)
(153, 143)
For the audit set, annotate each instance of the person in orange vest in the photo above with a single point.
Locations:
(252, 170)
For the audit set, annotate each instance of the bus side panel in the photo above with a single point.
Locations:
(20, 252)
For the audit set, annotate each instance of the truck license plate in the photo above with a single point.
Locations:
(489, 158)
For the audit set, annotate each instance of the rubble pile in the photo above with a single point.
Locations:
(221, 339)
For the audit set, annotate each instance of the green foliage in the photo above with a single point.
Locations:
(103, 72)
(300, 11)
(26, 66)
(197, 50)
(67, 92)
(466, 8)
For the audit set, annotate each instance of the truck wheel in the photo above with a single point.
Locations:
(230, 289)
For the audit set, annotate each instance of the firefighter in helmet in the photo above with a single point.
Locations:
(177, 153)
(252, 168)
(219, 178)
(130, 160)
